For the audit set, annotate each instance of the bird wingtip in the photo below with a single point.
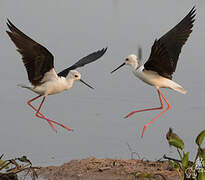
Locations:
(105, 49)
(9, 23)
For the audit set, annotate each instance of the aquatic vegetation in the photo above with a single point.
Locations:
(11, 167)
(187, 169)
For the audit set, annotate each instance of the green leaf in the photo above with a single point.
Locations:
(174, 165)
(174, 140)
(185, 161)
(201, 175)
(200, 138)
(201, 153)
(24, 159)
(2, 164)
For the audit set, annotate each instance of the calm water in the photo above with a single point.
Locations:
(73, 29)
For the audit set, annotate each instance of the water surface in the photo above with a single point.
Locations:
(73, 29)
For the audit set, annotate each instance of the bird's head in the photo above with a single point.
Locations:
(75, 75)
(130, 60)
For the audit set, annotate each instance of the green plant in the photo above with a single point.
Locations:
(185, 168)
(14, 166)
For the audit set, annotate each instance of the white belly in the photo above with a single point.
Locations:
(154, 79)
(53, 87)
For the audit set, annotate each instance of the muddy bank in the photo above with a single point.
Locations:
(109, 169)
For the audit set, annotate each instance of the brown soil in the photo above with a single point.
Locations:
(109, 169)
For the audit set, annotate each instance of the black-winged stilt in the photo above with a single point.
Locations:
(158, 69)
(39, 63)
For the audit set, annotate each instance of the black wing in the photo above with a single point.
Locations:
(165, 51)
(85, 60)
(36, 58)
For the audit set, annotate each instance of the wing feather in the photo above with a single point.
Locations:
(165, 51)
(85, 60)
(36, 58)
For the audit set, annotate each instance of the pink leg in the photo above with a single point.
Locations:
(150, 109)
(29, 103)
(43, 117)
(169, 106)
(38, 112)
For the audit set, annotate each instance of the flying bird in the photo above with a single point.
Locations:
(39, 63)
(161, 65)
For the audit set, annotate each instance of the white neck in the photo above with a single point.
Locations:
(140, 68)
(69, 81)
(135, 65)
(138, 72)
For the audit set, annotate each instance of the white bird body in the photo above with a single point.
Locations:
(159, 68)
(39, 63)
(54, 84)
(154, 79)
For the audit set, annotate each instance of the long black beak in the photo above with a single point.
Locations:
(86, 84)
(118, 67)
